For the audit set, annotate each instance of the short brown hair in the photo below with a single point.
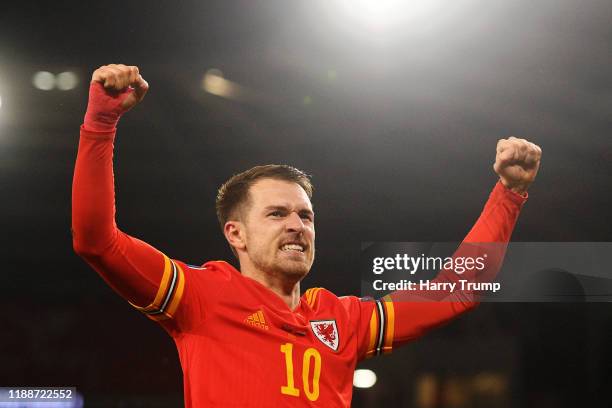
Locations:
(234, 193)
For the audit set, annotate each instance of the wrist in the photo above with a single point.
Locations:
(103, 111)
(518, 188)
(100, 121)
(96, 135)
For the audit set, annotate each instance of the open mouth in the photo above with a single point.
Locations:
(293, 247)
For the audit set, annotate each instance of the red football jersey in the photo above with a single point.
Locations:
(239, 343)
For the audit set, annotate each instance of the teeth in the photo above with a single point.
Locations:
(292, 247)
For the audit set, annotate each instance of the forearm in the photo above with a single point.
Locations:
(487, 240)
(93, 195)
(499, 216)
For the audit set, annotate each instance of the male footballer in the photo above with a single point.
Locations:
(249, 337)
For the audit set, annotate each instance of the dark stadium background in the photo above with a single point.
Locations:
(398, 129)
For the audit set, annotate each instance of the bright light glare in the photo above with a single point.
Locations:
(215, 84)
(379, 15)
(67, 81)
(364, 378)
(44, 80)
(377, 11)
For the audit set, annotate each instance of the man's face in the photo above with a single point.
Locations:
(279, 228)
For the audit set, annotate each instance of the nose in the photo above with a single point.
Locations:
(294, 223)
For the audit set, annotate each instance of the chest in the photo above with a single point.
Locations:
(304, 355)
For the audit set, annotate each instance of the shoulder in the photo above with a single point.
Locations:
(212, 270)
(317, 298)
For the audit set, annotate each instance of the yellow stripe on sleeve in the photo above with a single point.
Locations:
(168, 295)
(390, 323)
(178, 294)
(163, 286)
(373, 334)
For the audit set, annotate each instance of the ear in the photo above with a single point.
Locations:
(235, 234)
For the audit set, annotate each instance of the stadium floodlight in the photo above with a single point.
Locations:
(364, 378)
(377, 11)
(43, 80)
(377, 15)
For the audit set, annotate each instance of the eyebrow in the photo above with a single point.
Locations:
(286, 208)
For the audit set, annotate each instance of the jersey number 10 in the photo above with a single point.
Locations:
(311, 355)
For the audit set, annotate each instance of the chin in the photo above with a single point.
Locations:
(293, 269)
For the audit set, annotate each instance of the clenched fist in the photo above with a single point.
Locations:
(114, 89)
(517, 162)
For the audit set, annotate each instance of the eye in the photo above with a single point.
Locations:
(275, 214)
(306, 216)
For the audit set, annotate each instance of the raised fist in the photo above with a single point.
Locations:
(114, 89)
(517, 162)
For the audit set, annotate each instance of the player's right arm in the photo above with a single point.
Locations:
(140, 273)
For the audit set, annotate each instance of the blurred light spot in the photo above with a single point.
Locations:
(332, 75)
(364, 378)
(44, 80)
(426, 391)
(455, 392)
(307, 100)
(490, 383)
(215, 84)
(67, 81)
(215, 72)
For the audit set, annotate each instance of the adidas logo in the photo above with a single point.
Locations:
(257, 319)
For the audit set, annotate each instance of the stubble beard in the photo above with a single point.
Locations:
(283, 268)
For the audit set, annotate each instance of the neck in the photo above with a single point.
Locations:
(287, 290)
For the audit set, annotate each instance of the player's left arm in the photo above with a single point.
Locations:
(405, 315)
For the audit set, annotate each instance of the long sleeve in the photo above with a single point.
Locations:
(131, 267)
(403, 316)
